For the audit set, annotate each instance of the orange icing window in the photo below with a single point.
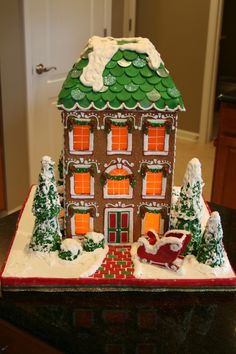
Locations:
(81, 137)
(156, 138)
(152, 221)
(153, 183)
(119, 138)
(82, 223)
(115, 187)
(82, 183)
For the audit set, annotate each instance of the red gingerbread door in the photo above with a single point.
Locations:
(118, 226)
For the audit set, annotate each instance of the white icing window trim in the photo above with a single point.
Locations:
(162, 222)
(144, 186)
(72, 224)
(106, 221)
(109, 141)
(71, 141)
(166, 143)
(117, 196)
(81, 196)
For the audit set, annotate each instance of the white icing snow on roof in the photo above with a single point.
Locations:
(103, 51)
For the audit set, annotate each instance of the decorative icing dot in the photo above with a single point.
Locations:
(153, 95)
(131, 87)
(124, 63)
(77, 94)
(109, 80)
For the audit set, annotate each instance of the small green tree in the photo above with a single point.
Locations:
(46, 206)
(211, 250)
(188, 208)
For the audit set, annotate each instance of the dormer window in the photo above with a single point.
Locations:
(156, 136)
(82, 180)
(119, 135)
(81, 135)
(154, 180)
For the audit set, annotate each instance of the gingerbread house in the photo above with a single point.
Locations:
(119, 109)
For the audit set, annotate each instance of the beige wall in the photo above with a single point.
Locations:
(13, 101)
(178, 29)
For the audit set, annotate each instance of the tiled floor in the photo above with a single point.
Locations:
(185, 151)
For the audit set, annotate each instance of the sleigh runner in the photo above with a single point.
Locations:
(166, 251)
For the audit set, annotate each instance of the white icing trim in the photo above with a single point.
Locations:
(144, 186)
(166, 142)
(162, 221)
(109, 141)
(71, 141)
(72, 224)
(122, 106)
(107, 210)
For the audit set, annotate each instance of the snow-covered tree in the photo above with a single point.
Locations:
(211, 250)
(92, 241)
(188, 208)
(46, 206)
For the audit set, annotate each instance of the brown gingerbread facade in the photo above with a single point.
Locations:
(119, 142)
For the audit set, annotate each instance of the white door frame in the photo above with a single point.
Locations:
(210, 70)
(106, 221)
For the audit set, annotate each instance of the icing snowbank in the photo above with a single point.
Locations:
(23, 262)
(190, 269)
(103, 51)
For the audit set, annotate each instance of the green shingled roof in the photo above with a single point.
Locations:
(129, 83)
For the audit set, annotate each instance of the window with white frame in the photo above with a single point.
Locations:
(118, 182)
(156, 136)
(154, 181)
(119, 135)
(151, 219)
(81, 221)
(82, 180)
(81, 135)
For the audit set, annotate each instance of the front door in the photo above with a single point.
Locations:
(119, 225)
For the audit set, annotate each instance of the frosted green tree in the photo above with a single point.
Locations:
(211, 250)
(46, 206)
(188, 208)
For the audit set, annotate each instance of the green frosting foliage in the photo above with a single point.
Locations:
(67, 255)
(127, 79)
(46, 206)
(211, 250)
(89, 245)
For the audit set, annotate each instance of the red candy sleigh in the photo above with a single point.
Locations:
(165, 251)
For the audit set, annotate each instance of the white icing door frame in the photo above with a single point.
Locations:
(210, 70)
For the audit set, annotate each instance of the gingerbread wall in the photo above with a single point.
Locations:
(101, 157)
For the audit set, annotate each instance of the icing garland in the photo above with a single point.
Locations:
(105, 176)
(127, 123)
(147, 124)
(73, 121)
(72, 211)
(144, 169)
(92, 169)
(144, 209)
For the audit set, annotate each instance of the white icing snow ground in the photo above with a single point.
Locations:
(25, 263)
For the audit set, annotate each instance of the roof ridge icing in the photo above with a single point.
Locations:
(120, 73)
(103, 49)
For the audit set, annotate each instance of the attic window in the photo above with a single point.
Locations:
(119, 135)
(156, 136)
(81, 135)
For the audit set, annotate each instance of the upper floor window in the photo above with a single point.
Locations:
(156, 136)
(81, 137)
(119, 135)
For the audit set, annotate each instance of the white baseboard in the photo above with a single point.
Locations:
(8, 212)
(187, 135)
